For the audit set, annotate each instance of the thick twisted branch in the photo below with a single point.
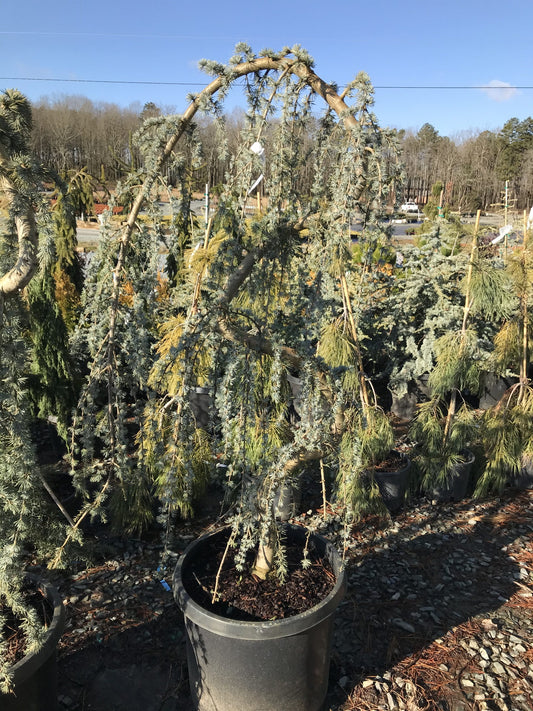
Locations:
(20, 275)
(286, 63)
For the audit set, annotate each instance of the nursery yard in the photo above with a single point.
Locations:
(438, 615)
(262, 352)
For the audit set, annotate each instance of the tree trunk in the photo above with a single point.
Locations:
(20, 275)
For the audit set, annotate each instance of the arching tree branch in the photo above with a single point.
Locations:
(23, 270)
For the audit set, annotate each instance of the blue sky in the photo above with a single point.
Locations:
(468, 43)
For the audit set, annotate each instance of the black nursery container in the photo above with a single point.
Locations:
(35, 675)
(393, 484)
(456, 487)
(259, 666)
(524, 477)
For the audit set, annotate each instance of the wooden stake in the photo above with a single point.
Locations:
(525, 319)
(215, 591)
(323, 482)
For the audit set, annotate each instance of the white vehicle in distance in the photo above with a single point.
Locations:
(409, 207)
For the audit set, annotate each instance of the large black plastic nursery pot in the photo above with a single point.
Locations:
(259, 666)
(35, 675)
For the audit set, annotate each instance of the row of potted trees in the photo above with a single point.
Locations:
(277, 318)
(495, 296)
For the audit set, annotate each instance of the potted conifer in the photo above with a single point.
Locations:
(445, 425)
(277, 300)
(27, 667)
(424, 303)
(507, 426)
(256, 297)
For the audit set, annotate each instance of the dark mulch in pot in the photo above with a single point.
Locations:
(13, 631)
(240, 596)
(392, 463)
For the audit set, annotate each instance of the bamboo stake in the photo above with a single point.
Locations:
(201, 274)
(525, 318)
(217, 579)
(505, 217)
(56, 501)
(323, 482)
(468, 300)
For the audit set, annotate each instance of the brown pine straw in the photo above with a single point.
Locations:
(16, 646)
(521, 601)
(426, 683)
(513, 510)
(414, 698)
(525, 558)
(429, 683)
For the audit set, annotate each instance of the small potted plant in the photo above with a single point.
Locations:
(27, 641)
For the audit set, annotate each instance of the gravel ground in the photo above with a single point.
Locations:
(438, 615)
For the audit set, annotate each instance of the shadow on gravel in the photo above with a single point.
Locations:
(140, 669)
(406, 595)
(406, 588)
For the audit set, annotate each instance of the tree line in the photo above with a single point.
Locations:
(72, 133)
(474, 169)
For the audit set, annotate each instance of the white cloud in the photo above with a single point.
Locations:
(499, 90)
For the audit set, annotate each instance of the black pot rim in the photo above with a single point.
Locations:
(469, 457)
(263, 629)
(25, 667)
(406, 465)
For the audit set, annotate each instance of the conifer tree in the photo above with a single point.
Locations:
(81, 190)
(423, 303)
(507, 431)
(67, 270)
(21, 490)
(51, 385)
(445, 425)
(255, 299)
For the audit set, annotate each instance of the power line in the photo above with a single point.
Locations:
(103, 81)
(504, 87)
(441, 87)
(110, 35)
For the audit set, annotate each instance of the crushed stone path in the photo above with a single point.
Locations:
(438, 615)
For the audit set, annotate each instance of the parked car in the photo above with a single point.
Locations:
(409, 207)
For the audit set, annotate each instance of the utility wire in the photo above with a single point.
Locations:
(104, 81)
(190, 83)
(113, 35)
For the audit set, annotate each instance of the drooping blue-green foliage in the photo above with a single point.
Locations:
(265, 285)
(25, 523)
(426, 302)
(444, 312)
(115, 345)
(262, 307)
